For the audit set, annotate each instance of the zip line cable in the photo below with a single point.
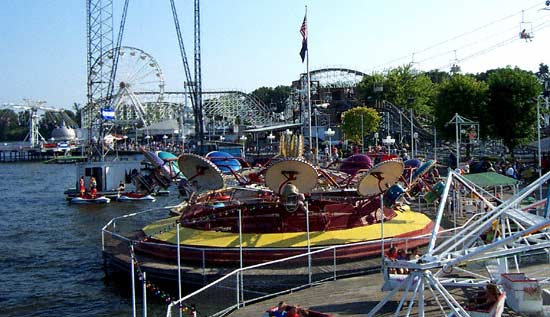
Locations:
(479, 41)
(495, 46)
(456, 37)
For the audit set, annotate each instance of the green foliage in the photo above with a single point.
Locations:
(513, 95)
(543, 74)
(365, 89)
(464, 95)
(275, 98)
(402, 86)
(359, 117)
(12, 128)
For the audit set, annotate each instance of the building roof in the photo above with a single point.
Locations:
(490, 179)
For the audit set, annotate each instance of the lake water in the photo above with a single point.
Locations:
(50, 251)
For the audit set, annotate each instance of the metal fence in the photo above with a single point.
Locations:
(228, 288)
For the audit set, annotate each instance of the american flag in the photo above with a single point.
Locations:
(303, 31)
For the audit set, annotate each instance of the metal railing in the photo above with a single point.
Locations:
(235, 287)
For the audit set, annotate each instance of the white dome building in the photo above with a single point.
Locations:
(63, 134)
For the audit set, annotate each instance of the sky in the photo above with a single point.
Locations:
(247, 44)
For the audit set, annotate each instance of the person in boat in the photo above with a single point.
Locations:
(81, 186)
(93, 187)
(121, 187)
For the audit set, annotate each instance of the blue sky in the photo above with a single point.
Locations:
(247, 44)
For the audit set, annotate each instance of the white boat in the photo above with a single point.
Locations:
(132, 196)
(87, 199)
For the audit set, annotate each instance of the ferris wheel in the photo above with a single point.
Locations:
(136, 71)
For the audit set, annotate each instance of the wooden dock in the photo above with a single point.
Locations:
(356, 296)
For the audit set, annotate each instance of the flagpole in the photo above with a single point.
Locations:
(309, 94)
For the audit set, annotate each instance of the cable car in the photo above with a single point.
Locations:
(526, 29)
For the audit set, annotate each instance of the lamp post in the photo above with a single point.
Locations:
(125, 137)
(222, 138)
(183, 143)
(376, 138)
(243, 139)
(330, 133)
(288, 132)
(165, 137)
(316, 135)
(388, 141)
(415, 142)
(362, 135)
(270, 137)
(147, 137)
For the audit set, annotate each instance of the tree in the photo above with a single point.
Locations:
(543, 74)
(275, 98)
(402, 86)
(359, 118)
(465, 95)
(410, 89)
(366, 89)
(513, 96)
(10, 127)
(437, 76)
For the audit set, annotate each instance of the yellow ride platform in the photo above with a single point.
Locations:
(405, 222)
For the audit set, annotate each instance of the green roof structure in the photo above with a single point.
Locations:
(490, 179)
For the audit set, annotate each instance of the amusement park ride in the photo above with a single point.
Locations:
(33, 107)
(445, 266)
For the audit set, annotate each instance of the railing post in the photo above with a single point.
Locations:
(132, 278)
(203, 267)
(144, 284)
(179, 261)
(102, 240)
(238, 291)
(334, 264)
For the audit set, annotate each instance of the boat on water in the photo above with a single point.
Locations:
(133, 196)
(87, 199)
(111, 175)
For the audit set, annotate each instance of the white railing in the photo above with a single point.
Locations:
(327, 263)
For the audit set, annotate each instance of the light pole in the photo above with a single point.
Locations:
(243, 139)
(538, 143)
(125, 139)
(376, 138)
(288, 132)
(415, 136)
(270, 137)
(165, 137)
(183, 143)
(362, 135)
(316, 135)
(222, 138)
(330, 133)
(147, 137)
(388, 141)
